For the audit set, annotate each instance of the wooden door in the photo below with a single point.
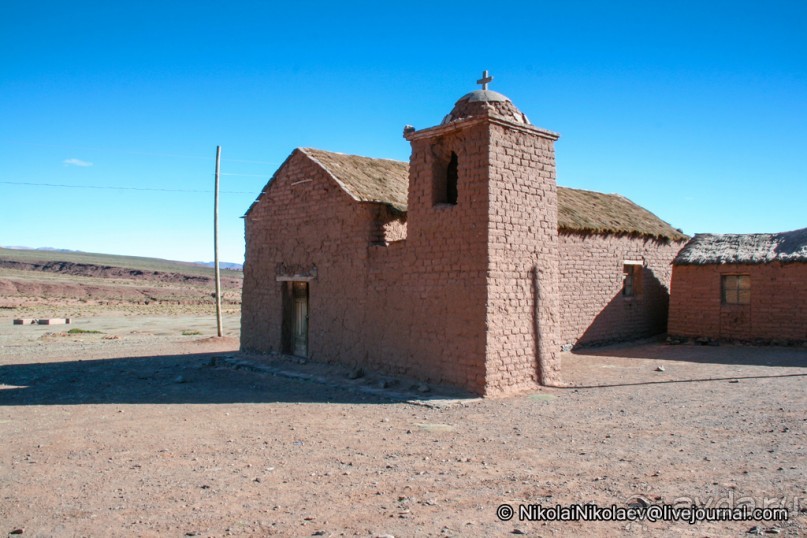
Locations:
(735, 306)
(299, 320)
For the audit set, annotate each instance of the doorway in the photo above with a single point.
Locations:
(295, 318)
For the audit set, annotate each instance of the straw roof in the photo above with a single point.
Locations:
(598, 213)
(365, 179)
(386, 181)
(706, 249)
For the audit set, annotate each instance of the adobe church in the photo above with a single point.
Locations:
(467, 266)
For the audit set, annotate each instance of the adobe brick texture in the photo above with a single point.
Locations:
(522, 345)
(413, 307)
(593, 309)
(777, 311)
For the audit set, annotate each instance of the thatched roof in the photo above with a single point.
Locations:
(365, 179)
(386, 181)
(705, 249)
(598, 213)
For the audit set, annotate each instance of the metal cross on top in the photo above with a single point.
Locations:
(485, 79)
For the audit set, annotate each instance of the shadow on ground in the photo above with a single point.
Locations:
(739, 355)
(657, 364)
(169, 379)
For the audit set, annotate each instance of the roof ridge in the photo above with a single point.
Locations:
(386, 181)
(330, 173)
(353, 155)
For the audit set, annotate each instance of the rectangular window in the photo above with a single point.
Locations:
(735, 289)
(632, 278)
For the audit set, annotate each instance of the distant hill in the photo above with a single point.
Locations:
(229, 266)
(137, 263)
(41, 248)
(69, 284)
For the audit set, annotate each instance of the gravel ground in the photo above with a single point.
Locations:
(140, 430)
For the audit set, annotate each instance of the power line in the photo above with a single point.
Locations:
(244, 175)
(134, 152)
(103, 187)
(249, 162)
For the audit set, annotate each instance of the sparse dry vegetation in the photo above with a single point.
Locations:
(82, 331)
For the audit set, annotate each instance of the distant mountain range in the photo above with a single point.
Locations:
(223, 265)
(230, 266)
(50, 249)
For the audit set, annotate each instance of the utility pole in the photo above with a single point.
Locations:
(216, 243)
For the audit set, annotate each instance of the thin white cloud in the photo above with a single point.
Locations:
(76, 162)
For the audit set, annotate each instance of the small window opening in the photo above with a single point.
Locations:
(445, 177)
(632, 279)
(451, 180)
(735, 289)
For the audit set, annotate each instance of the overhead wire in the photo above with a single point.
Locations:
(110, 187)
(135, 152)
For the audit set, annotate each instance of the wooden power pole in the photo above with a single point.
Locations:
(216, 243)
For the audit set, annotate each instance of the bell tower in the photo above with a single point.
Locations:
(482, 208)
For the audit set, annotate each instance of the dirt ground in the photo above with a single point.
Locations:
(141, 430)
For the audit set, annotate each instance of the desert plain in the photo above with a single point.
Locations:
(141, 422)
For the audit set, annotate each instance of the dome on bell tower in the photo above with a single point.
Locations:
(485, 102)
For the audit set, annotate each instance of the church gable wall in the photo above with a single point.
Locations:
(405, 306)
(305, 224)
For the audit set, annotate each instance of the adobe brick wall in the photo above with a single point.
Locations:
(778, 308)
(445, 264)
(522, 348)
(418, 306)
(592, 307)
(389, 226)
(413, 306)
(305, 221)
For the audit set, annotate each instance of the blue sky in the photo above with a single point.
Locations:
(695, 110)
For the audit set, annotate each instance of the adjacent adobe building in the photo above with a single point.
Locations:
(741, 287)
(466, 266)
